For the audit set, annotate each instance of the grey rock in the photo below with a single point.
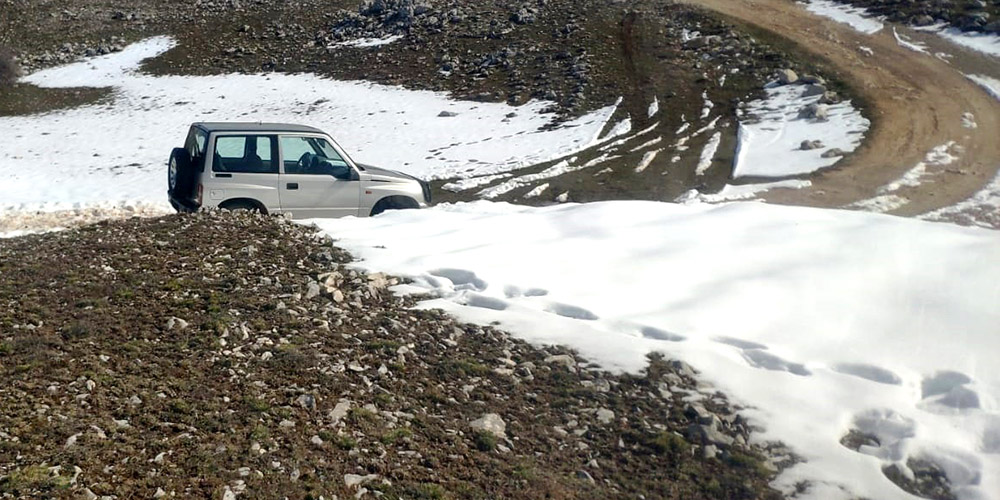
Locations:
(787, 76)
(815, 111)
(562, 359)
(352, 480)
(709, 434)
(814, 90)
(812, 79)
(605, 416)
(307, 401)
(829, 98)
(492, 423)
(808, 145)
(832, 153)
(710, 451)
(584, 475)
(312, 290)
(447, 114)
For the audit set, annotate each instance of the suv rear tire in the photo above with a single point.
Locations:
(180, 173)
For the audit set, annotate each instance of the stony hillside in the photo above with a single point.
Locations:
(238, 356)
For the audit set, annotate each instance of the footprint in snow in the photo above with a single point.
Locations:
(656, 334)
(461, 279)
(757, 356)
(868, 372)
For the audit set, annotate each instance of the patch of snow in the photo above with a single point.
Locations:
(623, 140)
(620, 128)
(472, 182)
(369, 42)
(17, 222)
(654, 107)
(708, 105)
(855, 17)
(537, 191)
(731, 192)
(706, 128)
(887, 199)
(769, 141)
(647, 158)
(990, 85)
(852, 316)
(117, 150)
(707, 153)
(982, 209)
(969, 120)
(905, 42)
(987, 43)
(651, 142)
(866, 50)
(684, 126)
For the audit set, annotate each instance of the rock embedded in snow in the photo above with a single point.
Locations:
(832, 153)
(808, 145)
(814, 90)
(447, 114)
(815, 111)
(829, 97)
(787, 76)
(492, 423)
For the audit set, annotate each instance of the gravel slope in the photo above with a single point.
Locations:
(216, 355)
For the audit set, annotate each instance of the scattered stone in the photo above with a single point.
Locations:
(584, 475)
(447, 114)
(832, 153)
(159, 493)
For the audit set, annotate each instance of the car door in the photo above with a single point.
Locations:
(243, 166)
(316, 181)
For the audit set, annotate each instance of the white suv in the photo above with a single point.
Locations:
(282, 168)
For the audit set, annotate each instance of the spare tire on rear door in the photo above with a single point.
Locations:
(180, 174)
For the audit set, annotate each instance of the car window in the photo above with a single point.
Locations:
(195, 143)
(255, 154)
(311, 155)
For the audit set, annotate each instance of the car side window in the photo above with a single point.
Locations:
(312, 155)
(252, 154)
(195, 145)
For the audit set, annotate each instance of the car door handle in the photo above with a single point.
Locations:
(224, 175)
(292, 185)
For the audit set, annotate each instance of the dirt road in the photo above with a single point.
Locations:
(915, 100)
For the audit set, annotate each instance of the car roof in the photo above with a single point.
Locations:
(255, 127)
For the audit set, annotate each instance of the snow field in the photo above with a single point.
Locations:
(771, 133)
(819, 320)
(117, 151)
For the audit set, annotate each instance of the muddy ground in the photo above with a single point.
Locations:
(198, 355)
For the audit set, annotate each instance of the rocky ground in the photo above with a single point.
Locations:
(233, 355)
(579, 54)
(966, 15)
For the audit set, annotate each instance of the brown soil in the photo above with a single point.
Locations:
(915, 101)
